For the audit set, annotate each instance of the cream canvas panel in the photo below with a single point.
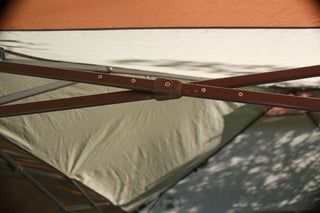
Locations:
(197, 53)
(127, 152)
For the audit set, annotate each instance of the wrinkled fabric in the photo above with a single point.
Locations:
(126, 152)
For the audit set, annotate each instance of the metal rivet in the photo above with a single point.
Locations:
(167, 83)
(133, 80)
(99, 76)
(240, 94)
(203, 90)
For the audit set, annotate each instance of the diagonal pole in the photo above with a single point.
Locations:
(121, 81)
(164, 87)
(73, 103)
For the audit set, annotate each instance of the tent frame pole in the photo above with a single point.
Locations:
(92, 203)
(160, 89)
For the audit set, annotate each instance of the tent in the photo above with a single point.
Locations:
(130, 153)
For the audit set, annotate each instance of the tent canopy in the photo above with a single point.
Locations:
(130, 153)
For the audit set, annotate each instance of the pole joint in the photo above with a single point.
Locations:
(166, 89)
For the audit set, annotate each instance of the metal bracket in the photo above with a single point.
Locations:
(166, 89)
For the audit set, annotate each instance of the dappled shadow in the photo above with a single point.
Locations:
(273, 166)
(207, 67)
(198, 70)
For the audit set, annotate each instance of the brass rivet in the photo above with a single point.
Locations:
(203, 90)
(133, 80)
(99, 76)
(240, 94)
(167, 83)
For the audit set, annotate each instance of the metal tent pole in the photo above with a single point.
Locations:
(163, 89)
